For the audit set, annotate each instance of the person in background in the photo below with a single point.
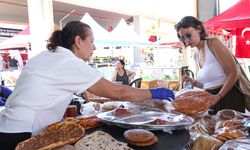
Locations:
(6, 64)
(121, 74)
(14, 63)
(217, 72)
(49, 80)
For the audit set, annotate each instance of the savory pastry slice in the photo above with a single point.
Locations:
(57, 135)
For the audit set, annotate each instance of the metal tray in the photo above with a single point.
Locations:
(144, 120)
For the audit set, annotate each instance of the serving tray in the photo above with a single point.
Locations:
(148, 120)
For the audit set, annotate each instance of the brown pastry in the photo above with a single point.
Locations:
(220, 137)
(232, 124)
(226, 114)
(58, 135)
(87, 123)
(192, 103)
(224, 134)
(140, 137)
(189, 94)
(206, 142)
(208, 123)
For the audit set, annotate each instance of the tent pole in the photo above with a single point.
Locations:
(60, 21)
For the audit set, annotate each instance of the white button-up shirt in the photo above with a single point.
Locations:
(44, 89)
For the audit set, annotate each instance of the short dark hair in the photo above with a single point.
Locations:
(66, 36)
(190, 21)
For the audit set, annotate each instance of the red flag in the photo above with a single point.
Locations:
(243, 42)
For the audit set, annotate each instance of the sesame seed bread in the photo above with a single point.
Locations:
(100, 140)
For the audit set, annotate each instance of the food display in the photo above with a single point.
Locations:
(205, 126)
(237, 144)
(140, 137)
(150, 120)
(226, 114)
(206, 142)
(87, 123)
(57, 135)
(226, 125)
(100, 140)
(192, 103)
(140, 124)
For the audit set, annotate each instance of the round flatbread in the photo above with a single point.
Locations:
(138, 135)
(148, 143)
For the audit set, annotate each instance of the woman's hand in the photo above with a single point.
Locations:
(215, 99)
(186, 78)
(129, 79)
(162, 93)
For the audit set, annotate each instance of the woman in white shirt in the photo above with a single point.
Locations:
(48, 81)
(217, 72)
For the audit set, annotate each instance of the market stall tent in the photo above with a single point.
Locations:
(237, 16)
(21, 40)
(125, 36)
(102, 36)
(236, 19)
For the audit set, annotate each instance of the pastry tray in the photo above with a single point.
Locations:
(146, 120)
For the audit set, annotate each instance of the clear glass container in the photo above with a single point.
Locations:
(187, 85)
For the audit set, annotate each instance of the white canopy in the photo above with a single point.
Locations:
(101, 36)
(122, 35)
(22, 39)
(126, 36)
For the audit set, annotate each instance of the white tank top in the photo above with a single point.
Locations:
(212, 73)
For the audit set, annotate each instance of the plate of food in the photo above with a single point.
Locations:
(150, 119)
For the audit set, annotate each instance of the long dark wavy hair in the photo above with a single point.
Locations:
(66, 36)
(190, 21)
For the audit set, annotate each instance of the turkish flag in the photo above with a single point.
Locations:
(243, 42)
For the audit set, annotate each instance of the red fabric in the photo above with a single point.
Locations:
(110, 28)
(173, 44)
(243, 42)
(152, 38)
(238, 16)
